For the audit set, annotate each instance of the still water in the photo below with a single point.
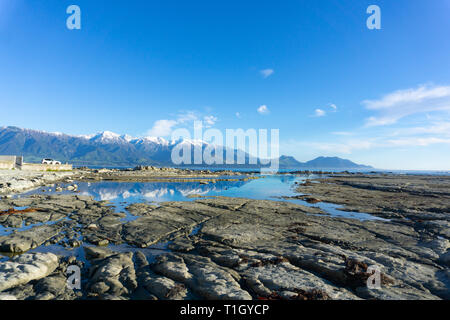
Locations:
(122, 194)
(267, 187)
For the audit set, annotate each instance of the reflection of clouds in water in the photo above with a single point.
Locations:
(159, 191)
(155, 194)
(127, 194)
(186, 193)
(107, 195)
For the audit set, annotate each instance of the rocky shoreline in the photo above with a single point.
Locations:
(17, 181)
(230, 248)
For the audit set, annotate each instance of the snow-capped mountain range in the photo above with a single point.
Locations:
(104, 148)
(111, 149)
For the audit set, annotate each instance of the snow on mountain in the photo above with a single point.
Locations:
(109, 148)
(127, 137)
(107, 136)
(86, 136)
(156, 140)
(195, 143)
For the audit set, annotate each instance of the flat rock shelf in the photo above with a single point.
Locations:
(248, 237)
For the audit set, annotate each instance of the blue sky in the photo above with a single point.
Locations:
(312, 68)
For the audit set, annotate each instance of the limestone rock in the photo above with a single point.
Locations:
(25, 268)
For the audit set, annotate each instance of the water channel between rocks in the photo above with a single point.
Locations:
(122, 194)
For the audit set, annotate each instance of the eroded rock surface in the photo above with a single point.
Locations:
(25, 268)
(235, 248)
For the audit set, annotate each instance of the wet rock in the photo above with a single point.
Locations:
(25, 268)
(23, 241)
(141, 209)
(92, 226)
(113, 276)
(403, 292)
(108, 230)
(249, 248)
(154, 285)
(74, 243)
(167, 220)
(14, 181)
(286, 277)
(53, 287)
(96, 253)
(202, 276)
(445, 259)
(103, 242)
(182, 245)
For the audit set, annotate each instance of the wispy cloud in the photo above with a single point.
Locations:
(187, 116)
(428, 129)
(342, 133)
(349, 142)
(164, 127)
(209, 120)
(266, 73)
(416, 142)
(351, 145)
(263, 110)
(322, 112)
(402, 103)
(439, 128)
(319, 113)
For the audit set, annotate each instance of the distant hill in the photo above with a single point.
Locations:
(321, 163)
(289, 162)
(110, 149)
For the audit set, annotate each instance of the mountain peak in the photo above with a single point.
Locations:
(157, 140)
(127, 137)
(107, 136)
(109, 148)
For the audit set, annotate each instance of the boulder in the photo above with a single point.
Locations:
(25, 268)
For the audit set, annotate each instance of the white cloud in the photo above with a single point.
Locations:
(209, 120)
(238, 115)
(416, 142)
(429, 130)
(267, 73)
(439, 128)
(319, 113)
(186, 117)
(349, 145)
(263, 110)
(401, 103)
(162, 128)
(342, 133)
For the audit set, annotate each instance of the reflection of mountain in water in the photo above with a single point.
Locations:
(153, 191)
(288, 179)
